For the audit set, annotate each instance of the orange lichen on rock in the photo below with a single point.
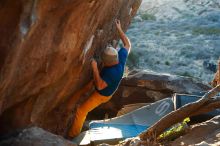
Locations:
(216, 80)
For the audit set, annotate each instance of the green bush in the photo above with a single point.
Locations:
(167, 63)
(157, 33)
(157, 62)
(206, 31)
(133, 59)
(186, 74)
(146, 16)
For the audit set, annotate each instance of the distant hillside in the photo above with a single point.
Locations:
(177, 36)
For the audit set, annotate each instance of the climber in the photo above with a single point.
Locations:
(106, 82)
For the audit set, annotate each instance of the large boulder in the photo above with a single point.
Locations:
(45, 52)
(145, 86)
(35, 136)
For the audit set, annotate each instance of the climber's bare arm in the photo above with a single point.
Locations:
(124, 38)
(99, 82)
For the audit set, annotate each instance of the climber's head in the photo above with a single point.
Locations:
(110, 56)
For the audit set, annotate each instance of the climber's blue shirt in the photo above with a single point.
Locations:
(113, 75)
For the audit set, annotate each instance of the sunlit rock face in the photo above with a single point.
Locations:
(45, 52)
(206, 133)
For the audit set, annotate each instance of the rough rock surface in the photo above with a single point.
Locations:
(153, 86)
(35, 136)
(216, 80)
(203, 134)
(45, 51)
(142, 86)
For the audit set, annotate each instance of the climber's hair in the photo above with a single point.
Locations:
(110, 56)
